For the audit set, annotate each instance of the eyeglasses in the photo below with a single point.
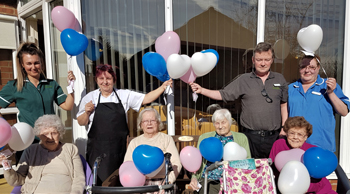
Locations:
(149, 121)
(53, 134)
(267, 97)
(299, 135)
(310, 68)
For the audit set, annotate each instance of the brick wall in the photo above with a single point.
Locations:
(8, 7)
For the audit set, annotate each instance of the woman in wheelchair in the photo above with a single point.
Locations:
(297, 130)
(222, 121)
(149, 122)
(49, 166)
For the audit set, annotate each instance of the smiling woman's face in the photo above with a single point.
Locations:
(296, 137)
(50, 138)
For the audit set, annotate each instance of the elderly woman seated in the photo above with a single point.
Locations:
(50, 166)
(297, 130)
(149, 122)
(222, 121)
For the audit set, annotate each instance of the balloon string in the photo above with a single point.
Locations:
(323, 72)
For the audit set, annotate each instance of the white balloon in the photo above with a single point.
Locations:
(310, 38)
(203, 63)
(178, 65)
(233, 151)
(294, 178)
(22, 136)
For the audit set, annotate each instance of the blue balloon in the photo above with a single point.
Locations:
(211, 149)
(212, 51)
(2, 148)
(73, 42)
(164, 77)
(92, 51)
(147, 158)
(154, 64)
(319, 162)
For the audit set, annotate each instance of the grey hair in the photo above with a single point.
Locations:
(149, 109)
(222, 114)
(48, 121)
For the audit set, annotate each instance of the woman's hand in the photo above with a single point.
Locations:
(194, 184)
(89, 107)
(70, 76)
(167, 83)
(331, 85)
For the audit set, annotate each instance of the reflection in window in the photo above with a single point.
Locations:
(229, 27)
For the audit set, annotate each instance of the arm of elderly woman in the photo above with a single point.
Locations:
(153, 95)
(16, 178)
(175, 160)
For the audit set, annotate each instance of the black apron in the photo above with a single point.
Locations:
(108, 134)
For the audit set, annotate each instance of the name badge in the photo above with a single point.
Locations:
(277, 85)
(316, 93)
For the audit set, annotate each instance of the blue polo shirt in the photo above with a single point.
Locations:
(316, 108)
(32, 102)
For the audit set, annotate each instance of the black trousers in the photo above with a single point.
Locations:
(260, 142)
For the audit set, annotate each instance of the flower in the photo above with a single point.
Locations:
(246, 188)
(259, 182)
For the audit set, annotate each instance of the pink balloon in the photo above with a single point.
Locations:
(167, 44)
(289, 155)
(63, 18)
(191, 158)
(129, 176)
(5, 132)
(189, 77)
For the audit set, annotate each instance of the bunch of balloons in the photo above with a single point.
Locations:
(188, 69)
(18, 137)
(147, 161)
(296, 166)
(72, 41)
(166, 62)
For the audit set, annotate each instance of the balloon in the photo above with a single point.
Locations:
(147, 158)
(233, 151)
(203, 63)
(294, 178)
(73, 42)
(285, 156)
(212, 51)
(191, 158)
(211, 149)
(62, 18)
(129, 176)
(2, 148)
(319, 162)
(189, 77)
(177, 65)
(310, 38)
(168, 43)
(92, 51)
(281, 49)
(154, 173)
(22, 136)
(164, 77)
(154, 64)
(5, 132)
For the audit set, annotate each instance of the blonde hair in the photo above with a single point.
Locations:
(31, 49)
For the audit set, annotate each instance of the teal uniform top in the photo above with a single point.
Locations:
(33, 102)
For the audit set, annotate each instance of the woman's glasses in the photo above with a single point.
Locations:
(267, 97)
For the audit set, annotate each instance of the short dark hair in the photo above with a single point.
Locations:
(103, 68)
(309, 59)
(297, 122)
(264, 47)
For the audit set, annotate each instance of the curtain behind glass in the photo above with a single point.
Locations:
(229, 27)
(123, 31)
